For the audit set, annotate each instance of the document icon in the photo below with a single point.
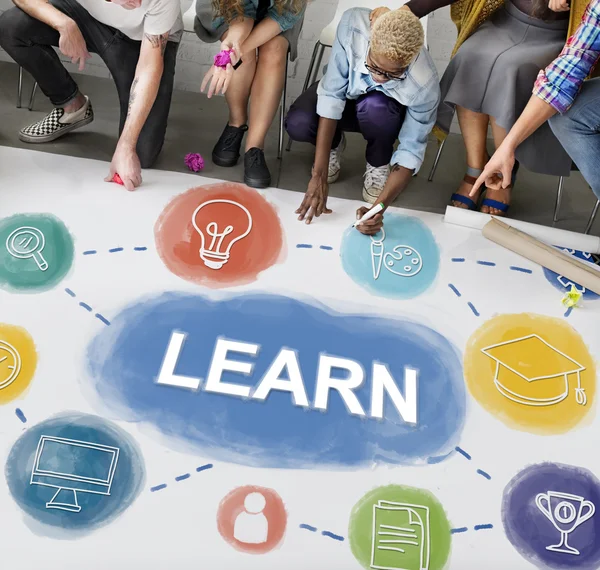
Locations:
(400, 536)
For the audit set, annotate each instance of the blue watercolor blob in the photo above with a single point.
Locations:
(563, 283)
(75, 456)
(569, 495)
(125, 361)
(406, 262)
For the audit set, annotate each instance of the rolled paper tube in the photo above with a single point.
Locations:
(543, 254)
(223, 58)
(551, 236)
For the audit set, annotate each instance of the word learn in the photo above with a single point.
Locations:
(284, 375)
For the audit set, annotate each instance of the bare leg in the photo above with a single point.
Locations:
(266, 90)
(502, 195)
(238, 92)
(474, 128)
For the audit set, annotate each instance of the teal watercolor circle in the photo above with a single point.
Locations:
(36, 252)
(409, 249)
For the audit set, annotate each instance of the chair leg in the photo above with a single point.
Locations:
(309, 73)
(592, 217)
(19, 87)
(282, 112)
(436, 161)
(33, 92)
(559, 195)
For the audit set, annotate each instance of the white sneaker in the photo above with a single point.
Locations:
(335, 157)
(57, 123)
(375, 179)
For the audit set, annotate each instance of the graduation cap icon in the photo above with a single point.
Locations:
(532, 372)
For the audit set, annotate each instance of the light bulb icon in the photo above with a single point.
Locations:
(220, 223)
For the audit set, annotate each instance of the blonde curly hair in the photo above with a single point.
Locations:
(397, 36)
(233, 9)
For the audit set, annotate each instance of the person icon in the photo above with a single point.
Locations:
(251, 526)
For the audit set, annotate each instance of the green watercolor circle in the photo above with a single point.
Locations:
(24, 274)
(402, 513)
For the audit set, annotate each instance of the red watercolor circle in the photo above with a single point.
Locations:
(252, 519)
(219, 235)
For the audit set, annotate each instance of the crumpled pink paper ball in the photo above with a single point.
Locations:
(194, 161)
(223, 58)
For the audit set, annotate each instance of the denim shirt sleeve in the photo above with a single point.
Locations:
(333, 87)
(418, 124)
(287, 19)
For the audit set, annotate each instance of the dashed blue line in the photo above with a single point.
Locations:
(486, 263)
(115, 249)
(483, 526)
(462, 529)
(463, 453)
(458, 530)
(325, 247)
(568, 311)
(520, 269)
(204, 467)
(19, 413)
(182, 477)
(140, 248)
(102, 319)
(308, 527)
(455, 290)
(332, 535)
(90, 252)
(458, 259)
(303, 246)
(158, 488)
(484, 474)
(88, 308)
(472, 307)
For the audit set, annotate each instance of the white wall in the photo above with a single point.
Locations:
(194, 56)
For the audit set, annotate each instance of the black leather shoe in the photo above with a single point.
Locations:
(227, 149)
(256, 171)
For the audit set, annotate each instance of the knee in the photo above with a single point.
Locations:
(380, 112)
(13, 24)
(148, 155)
(297, 124)
(274, 52)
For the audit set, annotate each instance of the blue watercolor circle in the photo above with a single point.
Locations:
(403, 267)
(566, 492)
(126, 358)
(564, 284)
(96, 464)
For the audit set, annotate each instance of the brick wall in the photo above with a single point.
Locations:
(194, 56)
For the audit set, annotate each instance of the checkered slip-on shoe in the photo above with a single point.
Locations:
(57, 124)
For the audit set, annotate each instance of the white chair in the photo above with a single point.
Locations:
(20, 90)
(327, 36)
(188, 26)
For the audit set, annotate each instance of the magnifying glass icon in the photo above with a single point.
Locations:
(27, 243)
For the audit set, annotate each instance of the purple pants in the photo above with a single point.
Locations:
(375, 115)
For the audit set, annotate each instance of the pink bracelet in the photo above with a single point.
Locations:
(223, 58)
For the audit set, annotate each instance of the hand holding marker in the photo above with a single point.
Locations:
(370, 214)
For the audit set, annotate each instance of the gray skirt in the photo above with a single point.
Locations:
(493, 73)
(204, 26)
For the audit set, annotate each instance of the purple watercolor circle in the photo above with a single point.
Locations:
(568, 494)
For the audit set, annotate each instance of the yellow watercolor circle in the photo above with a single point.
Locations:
(533, 373)
(18, 361)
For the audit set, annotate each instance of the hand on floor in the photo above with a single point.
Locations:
(315, 200)
(126, 164)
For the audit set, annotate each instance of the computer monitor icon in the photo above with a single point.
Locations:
(72, 467)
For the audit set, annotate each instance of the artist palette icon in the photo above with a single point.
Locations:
(403, 260)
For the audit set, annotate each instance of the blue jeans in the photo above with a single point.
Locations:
(29, 42)
(578, 130)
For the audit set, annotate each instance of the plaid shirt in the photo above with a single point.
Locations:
(559, 84)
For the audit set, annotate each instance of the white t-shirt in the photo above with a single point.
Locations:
(154, 17)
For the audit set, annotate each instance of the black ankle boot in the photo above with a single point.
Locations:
(256, 171)
(227, 149)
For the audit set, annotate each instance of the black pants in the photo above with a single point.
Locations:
(28, 41)
(375, 115)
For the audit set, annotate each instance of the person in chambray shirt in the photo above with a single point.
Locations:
(381, 82)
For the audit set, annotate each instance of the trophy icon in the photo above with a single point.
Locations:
(566, 512)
